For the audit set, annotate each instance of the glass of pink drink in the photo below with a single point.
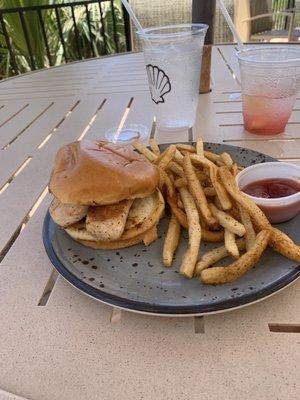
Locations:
(270, 78)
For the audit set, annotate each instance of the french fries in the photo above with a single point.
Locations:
(221, 192)
(209, 191)
(165, 181)
(154, 147)
(210, 236)
(178, 157)
(171, 241)
(227, 160)
(200, 189)
(279, 241)
(176, 168)
(250, 232)
(234, 169)
(255, 212)
(212, 156)
(215, 255)
(180, 182)
(199, 147)
(284, 245)
(189, 260)
(227, 221)
(166, 157)
(178, 213)
(143, 150)
(220, 275)
(186, 147)
(230, 244)
(197, 192)
(180, 204)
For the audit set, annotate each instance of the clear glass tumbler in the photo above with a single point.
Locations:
(270, 78)
(173, 57)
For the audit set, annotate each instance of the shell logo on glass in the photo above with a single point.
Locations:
(159, 83)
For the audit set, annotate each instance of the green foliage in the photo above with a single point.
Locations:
(100, 45)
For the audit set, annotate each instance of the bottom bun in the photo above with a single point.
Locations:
(117, 244)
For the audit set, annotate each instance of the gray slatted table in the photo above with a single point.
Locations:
(57, 343)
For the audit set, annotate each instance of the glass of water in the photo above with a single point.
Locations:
(173, 56)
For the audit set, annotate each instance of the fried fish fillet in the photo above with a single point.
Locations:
(66, 214)
(107, 223)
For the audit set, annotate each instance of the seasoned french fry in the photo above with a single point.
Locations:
(186, 147)
(204, 225)
(166, 157)
(177, 169)
(217, 203)
(171, 241)
(196, 190)
(227, 160)
(220, 163)
(221, 192)
(200, 147)
(180, 204)
(178, 157)
(213, 237)
(234, 212)
(250, 232)
(227, 221)
(219, 275)
(165, 181)
(234, 169)
(231, 187)
(215, 255)
(212, 156)
(143, 150)
(180, 182)
(230, 244)
(154, 147)
(189, 259)
(201, 175)
(213, 170)
(176, 211)
(209, 191)
(208, 236)
(284, 245)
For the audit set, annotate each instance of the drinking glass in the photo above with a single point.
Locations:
(173, 57)
(270, 78)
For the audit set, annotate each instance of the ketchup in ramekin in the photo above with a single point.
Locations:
(274, 187)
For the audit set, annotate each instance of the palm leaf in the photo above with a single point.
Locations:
(35, 37)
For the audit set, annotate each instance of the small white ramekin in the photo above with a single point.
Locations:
(280, 209)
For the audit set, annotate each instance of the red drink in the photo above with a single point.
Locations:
(265, 115)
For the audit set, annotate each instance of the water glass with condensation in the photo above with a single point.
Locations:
(173, 61)
(270, 78)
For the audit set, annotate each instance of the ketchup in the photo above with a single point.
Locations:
(272, 188)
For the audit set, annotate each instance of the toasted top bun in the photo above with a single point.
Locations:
(100, 173)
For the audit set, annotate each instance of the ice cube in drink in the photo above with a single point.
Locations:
(266, 115)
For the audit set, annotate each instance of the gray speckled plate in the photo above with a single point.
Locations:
(135, 278)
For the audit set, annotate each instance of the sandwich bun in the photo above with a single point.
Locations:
(101, 173)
